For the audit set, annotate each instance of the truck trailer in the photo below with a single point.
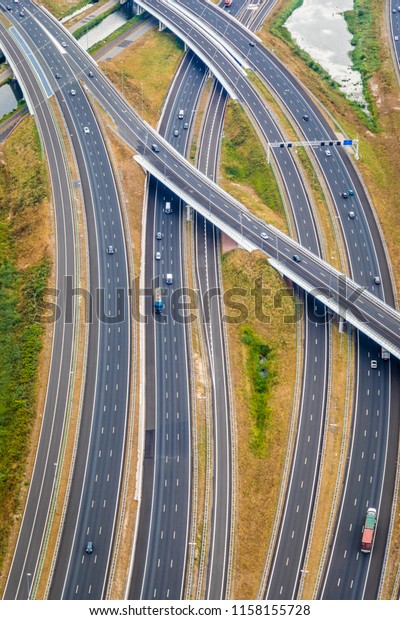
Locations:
(158, 302)
(368, 531)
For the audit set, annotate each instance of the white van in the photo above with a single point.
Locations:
(167, 208)
(169, 279)
(181, 113)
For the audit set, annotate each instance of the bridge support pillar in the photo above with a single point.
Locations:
(161, 26)
(138, 9)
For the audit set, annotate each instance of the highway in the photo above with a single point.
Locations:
(316, 274)
(368, 268)
(161, 552)
(94, 491)
(44, 475)
(207, 257)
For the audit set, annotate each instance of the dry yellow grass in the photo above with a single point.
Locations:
(35, 235)
(259, 477)
(59, 8)
(144, 72)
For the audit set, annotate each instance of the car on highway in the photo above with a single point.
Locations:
(374, 364)
(396, 38)
(352, 215)
(22, 14)
(377, 280)
(72, 92)
(89, 547)
(393, 10)
(176, 133)
(251, 43)
(155, 148)
(110, 249)
(345, 195)
(9, 8)
(159, 235)
(328, 153)
(158, 255)
(264, 235)
(186, 126)
(86, 130)
(90, 74)
(57, 76)
(167, 208)
(63, 44)
(350, 192)
(296, 258)
(306, 117)
(169, 279)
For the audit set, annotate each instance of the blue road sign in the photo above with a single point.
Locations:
(347, 142)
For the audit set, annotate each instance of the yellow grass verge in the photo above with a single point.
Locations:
(259, 475)
(144, 70)
(35, 234)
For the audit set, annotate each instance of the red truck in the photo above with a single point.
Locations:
(368, 531)
(228, 2)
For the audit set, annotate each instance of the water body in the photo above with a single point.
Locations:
(105, 28)
(8, 100)
(320, 29)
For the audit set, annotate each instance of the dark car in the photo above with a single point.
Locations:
(91, 74)
(296, 258)
(345, 195)
(57, 76)
(155, 148)
(306, 117)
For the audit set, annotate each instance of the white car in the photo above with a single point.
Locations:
(63, 44)
(396, 38)
(374, 364)
(328, 153)
(86, 130)
(158, 255)
(264, 235)
(73, 92)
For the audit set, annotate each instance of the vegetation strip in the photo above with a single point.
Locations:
(23, 190)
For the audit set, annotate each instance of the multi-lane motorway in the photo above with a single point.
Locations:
(94, 489)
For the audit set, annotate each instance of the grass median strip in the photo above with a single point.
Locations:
(24, 270)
